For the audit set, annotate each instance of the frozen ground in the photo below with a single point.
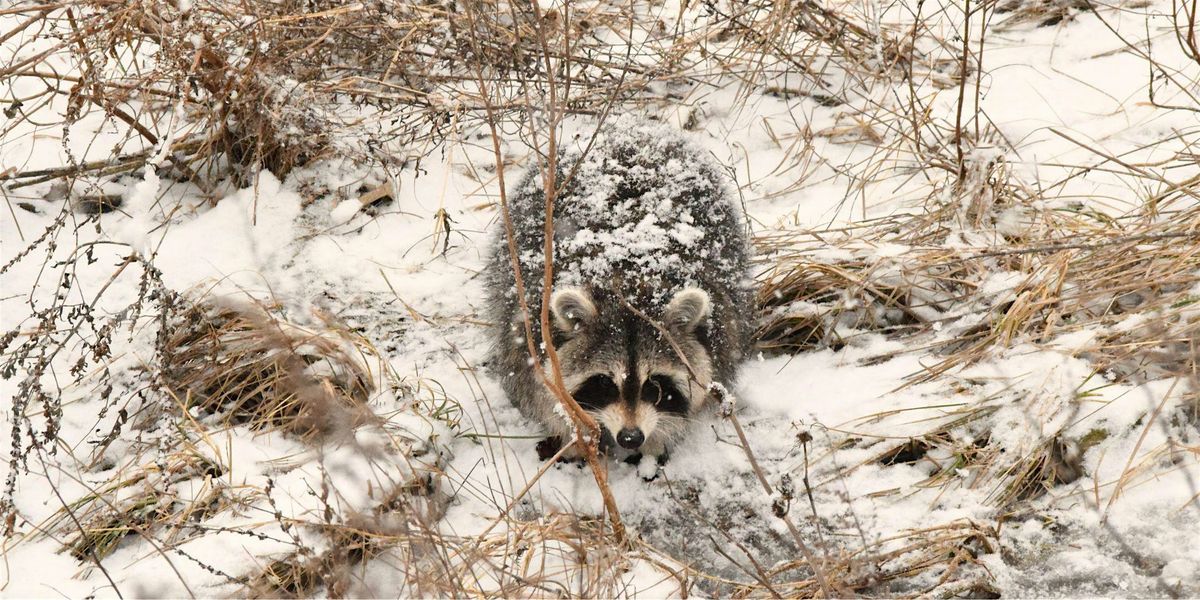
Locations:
(1129, 525)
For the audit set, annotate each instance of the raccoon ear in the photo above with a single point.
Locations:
(690, 307)
(572, 308)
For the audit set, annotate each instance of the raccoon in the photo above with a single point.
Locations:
(650, 301)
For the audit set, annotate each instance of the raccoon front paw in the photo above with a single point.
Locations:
(548, 447)
(649, 467)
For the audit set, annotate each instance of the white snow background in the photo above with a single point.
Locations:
(414, 291)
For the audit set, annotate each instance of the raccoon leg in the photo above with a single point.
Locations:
(548, 447)
(636, 457)
(653, 456)
(649, 468)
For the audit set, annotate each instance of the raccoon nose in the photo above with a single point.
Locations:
(630, 438)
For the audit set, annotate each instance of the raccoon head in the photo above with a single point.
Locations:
(624, 369)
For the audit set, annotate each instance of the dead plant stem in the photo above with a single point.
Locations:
(818, 571)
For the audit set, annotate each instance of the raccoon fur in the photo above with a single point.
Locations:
(649, 249)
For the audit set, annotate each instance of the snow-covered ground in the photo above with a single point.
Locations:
(1058, 95)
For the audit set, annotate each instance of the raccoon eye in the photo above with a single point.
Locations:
(660, 391)
(597, 391)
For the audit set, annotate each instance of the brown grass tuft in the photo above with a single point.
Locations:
(141, 501)
(239, 362)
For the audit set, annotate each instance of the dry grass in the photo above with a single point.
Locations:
(1043, 13)
(238, 87)
(140, 501)
(1128, 285)
(236, 360)
(886, 567)
(1130, 280)
(554, 555)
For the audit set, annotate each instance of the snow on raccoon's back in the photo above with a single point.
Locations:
(646, 215)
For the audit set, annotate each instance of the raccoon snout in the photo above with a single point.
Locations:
(631, 438)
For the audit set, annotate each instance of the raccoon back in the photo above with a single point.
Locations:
(644, 212)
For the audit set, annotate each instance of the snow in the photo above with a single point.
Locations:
(1127, 527)
(345, 210)
(248, 256)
